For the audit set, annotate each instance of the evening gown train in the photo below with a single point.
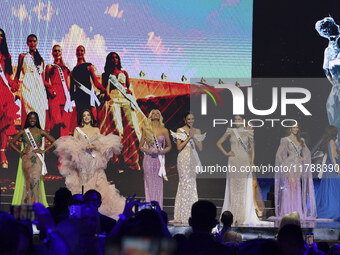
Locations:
(238, 197)
(294, 190)
(328, 194)
(79, 168)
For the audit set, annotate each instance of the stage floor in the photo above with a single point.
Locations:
(323, 231)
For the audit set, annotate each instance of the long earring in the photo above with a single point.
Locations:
(91, 121)
(82, 122)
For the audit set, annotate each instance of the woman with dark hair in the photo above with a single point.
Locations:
(294, 189)
(84, 158)
(239, 198)
(228, 235)
(188, 165)
(155, 143)
(31, 66)
(328, 194)
(82, 91)
(29, 186)
(116, 115)
(8, 109)
(61, 107)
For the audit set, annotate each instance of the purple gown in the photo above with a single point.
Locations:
(152, 182)
(294, 190)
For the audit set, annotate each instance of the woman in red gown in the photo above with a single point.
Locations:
(61, 107)
(8, 109)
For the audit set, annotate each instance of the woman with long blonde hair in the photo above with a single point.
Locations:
(60, 106)
(155, 142)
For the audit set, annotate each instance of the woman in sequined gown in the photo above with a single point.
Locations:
(29, 185)
(84, 158)
(153, 181)
(238, 197)
(294, 189)
(188, 164)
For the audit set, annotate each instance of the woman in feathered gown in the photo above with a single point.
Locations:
(188, 164)
(155, 142)
(84, 159)
(328, 194)
(294, 189)
(238, 197)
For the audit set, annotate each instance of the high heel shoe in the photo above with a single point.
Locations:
(259, 212)
(4, 164)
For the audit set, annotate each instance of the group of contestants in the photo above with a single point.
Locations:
(84, 155)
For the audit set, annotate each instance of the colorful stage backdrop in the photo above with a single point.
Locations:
(181, 39)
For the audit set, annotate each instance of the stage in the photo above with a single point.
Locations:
(323, 232)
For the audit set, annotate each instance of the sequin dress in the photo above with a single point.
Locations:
(187, 189)
(153, 184)
(238, 197)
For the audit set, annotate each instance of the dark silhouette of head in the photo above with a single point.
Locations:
(77, 199)
(203, 216)
(93, 197)
(290, 238)
(147, 222)
(62, 197)
(260, 247)
(227, 219)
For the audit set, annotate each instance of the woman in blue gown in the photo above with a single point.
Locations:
(328, 194)
(331, 65)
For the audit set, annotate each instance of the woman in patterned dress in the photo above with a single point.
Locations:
(116, 115)
(29, 185)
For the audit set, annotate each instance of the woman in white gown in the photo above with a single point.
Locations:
(31, 66)
(188, 163)
(239, 187)
(84, 159)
